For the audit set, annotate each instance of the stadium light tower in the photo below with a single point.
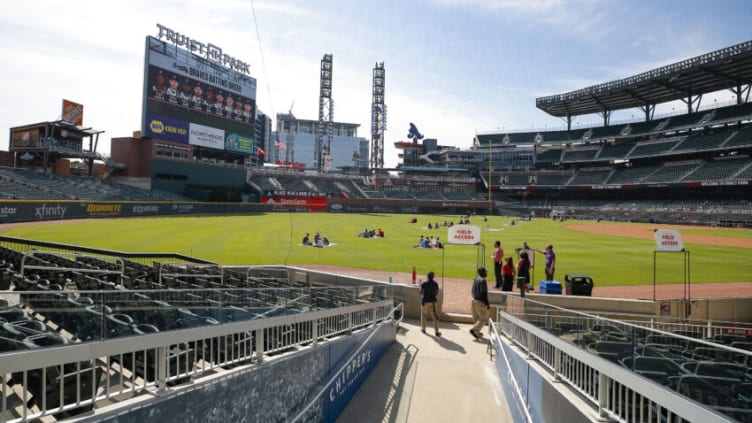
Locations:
(378, 117)
(322, 150)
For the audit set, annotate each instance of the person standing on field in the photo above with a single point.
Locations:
(523, 274)
(498, 258)
(507, 273)
(550, 261)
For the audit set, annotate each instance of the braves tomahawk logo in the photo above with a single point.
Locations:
(414, 133)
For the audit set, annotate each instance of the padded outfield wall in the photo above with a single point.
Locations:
(380, 205)
(38, 211)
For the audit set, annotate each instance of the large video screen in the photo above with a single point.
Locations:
(190, 100)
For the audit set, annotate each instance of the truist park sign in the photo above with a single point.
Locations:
(210, 51)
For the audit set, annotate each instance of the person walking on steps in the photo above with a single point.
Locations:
(480, 305)
(429, 292)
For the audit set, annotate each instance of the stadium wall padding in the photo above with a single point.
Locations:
(36, 211)
(274, 391)
(381, 205)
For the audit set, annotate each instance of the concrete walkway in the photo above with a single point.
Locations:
(424, 378)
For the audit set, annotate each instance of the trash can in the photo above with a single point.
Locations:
(578, 285)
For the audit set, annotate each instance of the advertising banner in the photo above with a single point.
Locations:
(206, 136)
(23, 138)
(239, 144)
(303, 203)
(34, 211)
(166, 129)
(73, 113)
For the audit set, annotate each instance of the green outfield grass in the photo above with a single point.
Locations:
(275, 239)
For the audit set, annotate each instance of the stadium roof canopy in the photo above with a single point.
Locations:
(727, 68)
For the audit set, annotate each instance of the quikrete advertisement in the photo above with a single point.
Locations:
(103, 209)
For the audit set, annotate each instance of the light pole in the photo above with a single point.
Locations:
(490, 207)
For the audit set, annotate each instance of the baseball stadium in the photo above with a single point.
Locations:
(201, 271)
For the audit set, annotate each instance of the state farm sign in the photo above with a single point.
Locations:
(464, 234)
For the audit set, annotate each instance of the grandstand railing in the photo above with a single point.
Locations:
(558, 339)
(59, 377)
(26, 245)
(30, 254)
(178, 269)
(695, 329)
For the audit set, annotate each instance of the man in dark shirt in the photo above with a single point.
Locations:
(480, 304)
(429, 292)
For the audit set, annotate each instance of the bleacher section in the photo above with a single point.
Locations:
(703, 142)
(30, 185)
(591, 177)
(297, 182)
(673, 123)
(549, 156)
(560, 178)
(732, 113)
(653, 148)
(746, 173)
(514, 179)
(743, 138)
(718, 170)
(698, 360)
(59, 298)
(671, 172)
(577, 155)
(615, 151)
(631, 175)
(607, 131)
(683, 121)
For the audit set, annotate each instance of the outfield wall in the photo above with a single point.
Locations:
(383, 205)
(37, 211)
(684, 217)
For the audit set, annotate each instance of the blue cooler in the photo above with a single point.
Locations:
(549, 287)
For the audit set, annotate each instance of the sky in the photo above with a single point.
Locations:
(453, 67)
